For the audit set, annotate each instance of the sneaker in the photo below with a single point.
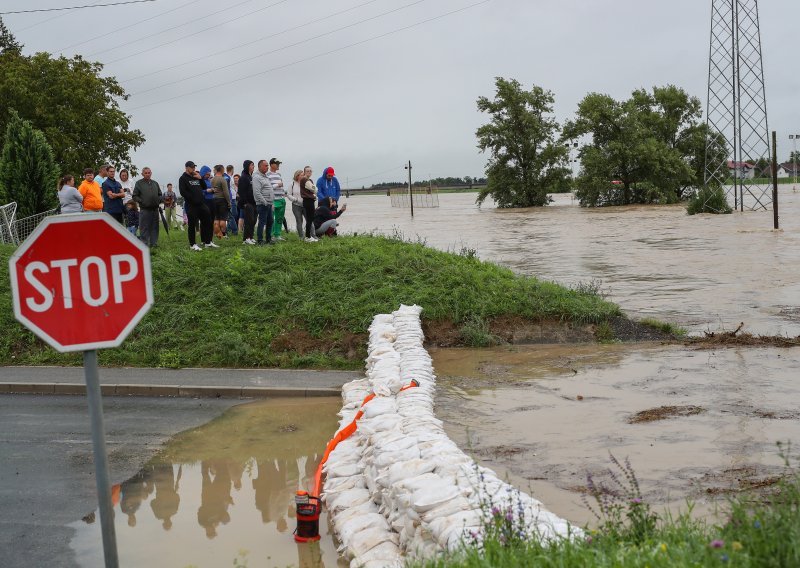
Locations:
(252, 241)
(195, 247)
(311, 240)
(279, 239)
(212, 244)
(248, 242)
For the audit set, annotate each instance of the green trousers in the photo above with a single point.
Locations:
(279, 207)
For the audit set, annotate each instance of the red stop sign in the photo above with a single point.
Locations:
(81, 282)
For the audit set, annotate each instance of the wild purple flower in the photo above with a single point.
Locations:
(717, 543)
(509, 516)
(757, 524)
(589, 539)
(724, 557)
(636, 500)
(495, 511)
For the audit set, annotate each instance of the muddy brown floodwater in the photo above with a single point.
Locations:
(701, 272)
(223, 492)
(695, 424)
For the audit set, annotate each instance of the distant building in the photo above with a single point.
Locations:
(741, 170)
(790, 169)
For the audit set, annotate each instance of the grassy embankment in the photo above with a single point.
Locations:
(307, 304)
(756, 530)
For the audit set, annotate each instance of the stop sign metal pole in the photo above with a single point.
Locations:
(102, 478)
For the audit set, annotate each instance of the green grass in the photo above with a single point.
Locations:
(756, 531)
(303, 305)
(664, 327)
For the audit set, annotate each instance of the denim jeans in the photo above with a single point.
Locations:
(233, 219)
(264, 221)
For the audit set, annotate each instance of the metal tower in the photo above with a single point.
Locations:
(737, 144)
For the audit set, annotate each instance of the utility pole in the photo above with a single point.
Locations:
(775, 222)
(410, 190)
(794, 138)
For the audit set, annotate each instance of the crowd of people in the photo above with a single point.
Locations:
(216, 201)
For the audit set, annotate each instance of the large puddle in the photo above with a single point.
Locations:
(701, 272)
(696, 424)
(222, 493)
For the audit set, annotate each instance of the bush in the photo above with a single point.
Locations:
(28, 171)
(709, 200)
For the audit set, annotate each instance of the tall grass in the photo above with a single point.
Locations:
(758, 531)
(303, 304)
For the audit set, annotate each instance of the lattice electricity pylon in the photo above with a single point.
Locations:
(737, 144)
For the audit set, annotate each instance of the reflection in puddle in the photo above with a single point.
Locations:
(223, 492)
(546, 415)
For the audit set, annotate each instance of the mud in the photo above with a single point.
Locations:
(664, 412)
(546, 416)
(222, 493)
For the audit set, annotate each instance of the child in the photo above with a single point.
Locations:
(133, 216)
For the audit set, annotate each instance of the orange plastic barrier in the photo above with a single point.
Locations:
(343, 434)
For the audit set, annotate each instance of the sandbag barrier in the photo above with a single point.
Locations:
(397, 487)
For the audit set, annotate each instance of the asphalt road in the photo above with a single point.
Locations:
(46, 463)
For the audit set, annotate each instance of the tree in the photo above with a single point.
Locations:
(28, 171)
(647, 149)
(526, 162)
(8, 44)
(71, 103)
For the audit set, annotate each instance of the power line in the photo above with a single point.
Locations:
(378, 174)
(127, 26)
(211, 27)
(77, 7)
(332, 51)
(235, 47)
(270, 52)
(39, 23)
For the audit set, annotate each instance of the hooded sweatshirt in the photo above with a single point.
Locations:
(245, 196)
(328, 188)
(191, 189)
(209, 197)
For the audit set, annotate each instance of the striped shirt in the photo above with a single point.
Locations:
(276, 180)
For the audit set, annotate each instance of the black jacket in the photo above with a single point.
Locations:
(325, 213)
(191, 189)
(245, 196)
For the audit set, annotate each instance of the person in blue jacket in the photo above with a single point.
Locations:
(208, 193)
(328, 186)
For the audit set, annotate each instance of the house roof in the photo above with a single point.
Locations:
(732, 164)
(791, 167)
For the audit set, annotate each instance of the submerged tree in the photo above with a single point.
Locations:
(647, 149)
(526, 162)
(28, 171)
(75, 107)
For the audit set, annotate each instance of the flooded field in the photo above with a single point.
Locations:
(701, 272)
(696, 424)
(223, 492)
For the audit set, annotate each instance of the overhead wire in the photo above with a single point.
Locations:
(160, 45)
(127, 26)
(40, 22)
(77, 7)
(378, 174)
(312, 57)
(235, 47)
(270, 52)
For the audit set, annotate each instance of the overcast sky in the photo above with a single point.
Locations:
(367, 108)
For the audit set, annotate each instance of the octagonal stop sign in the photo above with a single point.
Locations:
(81, 282)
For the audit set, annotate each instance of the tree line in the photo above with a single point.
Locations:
(649, 148)
(57, 114)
